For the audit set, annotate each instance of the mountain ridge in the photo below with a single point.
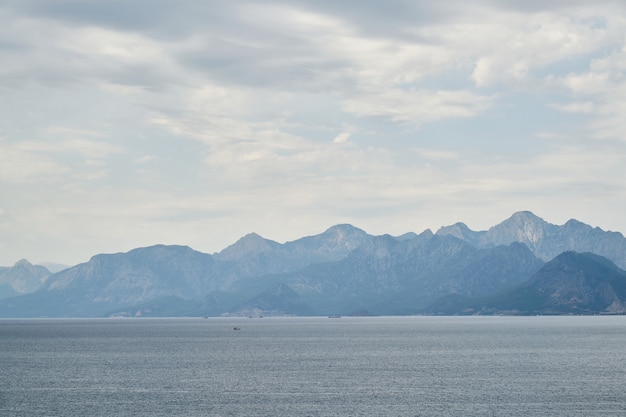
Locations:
(547, 240)
(339, 271)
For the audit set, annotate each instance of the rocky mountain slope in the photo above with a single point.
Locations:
(544, 239)
(571, 283)
(391, 276)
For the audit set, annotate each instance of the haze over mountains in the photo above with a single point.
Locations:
(523, 265)
(21, 278)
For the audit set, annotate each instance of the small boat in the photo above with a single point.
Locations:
(236, 328)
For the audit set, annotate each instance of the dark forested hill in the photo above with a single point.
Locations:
(571, 283)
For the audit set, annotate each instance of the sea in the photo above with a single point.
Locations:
(315, 366)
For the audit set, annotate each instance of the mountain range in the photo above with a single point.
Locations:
(544, 239)
(523, 265)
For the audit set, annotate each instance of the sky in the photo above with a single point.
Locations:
(128, 123)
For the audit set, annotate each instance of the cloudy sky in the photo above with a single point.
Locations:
(127, 123)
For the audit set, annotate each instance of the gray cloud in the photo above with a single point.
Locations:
(142, 117)
(160, 18)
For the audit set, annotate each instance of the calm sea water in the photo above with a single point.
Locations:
(387, 366)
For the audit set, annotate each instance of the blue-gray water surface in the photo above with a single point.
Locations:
(384, 366)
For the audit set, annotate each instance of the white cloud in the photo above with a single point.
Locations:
(600, 91)
(343, 137)
(515, 45)
(417, 107)
(283, 118)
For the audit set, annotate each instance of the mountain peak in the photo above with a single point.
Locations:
(251, 238)
(23, 262)
(335, 243)
(522, 226)
(525, 216)
(250, 244)
(458, 226)
(342, 230)
(461, 231)
(22, 278)
(410, 235)
(343, 237)
(573, 222)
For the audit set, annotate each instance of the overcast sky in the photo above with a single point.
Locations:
(127, 123)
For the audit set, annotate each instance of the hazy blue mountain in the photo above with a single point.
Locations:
(21, 278)
(580, 283)
(391, 276)
(250, 245)
(340, 271)
(571, 283)
(408, 236)
(139, 275)
(239, 275)
(112, 281)
(335, 243)
(254, 256)
(54, 267)
(278, 300)
(544, 239)
(523, 227)
(144, 280)
(461, 231)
